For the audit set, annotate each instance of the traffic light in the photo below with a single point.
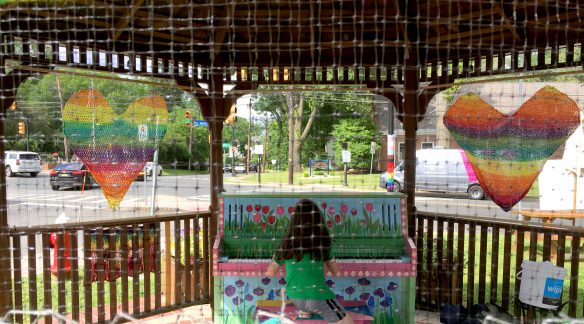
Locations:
(21, 128)
(232, 118)
(188, 119)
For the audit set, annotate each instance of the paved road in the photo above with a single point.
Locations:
(31, 201)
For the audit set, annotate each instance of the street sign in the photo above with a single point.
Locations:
(258, 149)
(346, 156)
(226, 145)
(201, 123)
(373, 147)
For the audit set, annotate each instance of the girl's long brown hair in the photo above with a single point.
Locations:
(307, 234)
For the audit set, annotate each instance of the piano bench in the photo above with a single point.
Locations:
(356, 309)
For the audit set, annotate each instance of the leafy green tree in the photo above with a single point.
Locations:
(358, 133)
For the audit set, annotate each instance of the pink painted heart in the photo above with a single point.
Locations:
(114, 148)
(507, 152)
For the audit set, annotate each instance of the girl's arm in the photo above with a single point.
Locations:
(333, 266)
(272, 269)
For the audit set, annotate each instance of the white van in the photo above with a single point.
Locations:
(443, 170)
(22, 162)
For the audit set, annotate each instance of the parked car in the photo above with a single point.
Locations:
(253, 167)
(240, 168)
(442, 170)
(227, 168)
(71, 175)
(18, 162)
(147, 170)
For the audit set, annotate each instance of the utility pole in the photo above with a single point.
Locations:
(62, 105)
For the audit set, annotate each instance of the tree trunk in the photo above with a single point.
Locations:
(291, 138)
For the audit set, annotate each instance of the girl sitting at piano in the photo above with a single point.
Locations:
(305, 250)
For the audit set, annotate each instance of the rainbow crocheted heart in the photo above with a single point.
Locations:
(114, 148)
(507, 152)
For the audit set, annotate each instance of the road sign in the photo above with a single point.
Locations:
(346, 156)
(201, 123)
(226, 145)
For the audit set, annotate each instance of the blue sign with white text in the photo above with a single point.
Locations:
(201, 123)
(552, 291)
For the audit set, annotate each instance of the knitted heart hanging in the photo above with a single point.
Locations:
(114, 148)
(507, 152)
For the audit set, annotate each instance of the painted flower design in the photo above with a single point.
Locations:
(329, 224)
(363, 222)
(344, 208)
(282, 281)
(392, 286)
(264, 226)
(369, 207)
(249, 208)
(371, 302)
(290, 210)
(229, 291)
(271, 219)
(331, 210)
(337, 218)
(384, 303)
(340, 298)
(279, 210)
(279, 292)
(249, 297)
(364, 282)
(324, 205)
(266, 281)
(265, 209)
(239, 283)
(330, 283)
(258, 208)
(350, 290)
(257, 218)
(379, 292)
(259, 291)
(237, 301)
(364, 296)
(354, 211)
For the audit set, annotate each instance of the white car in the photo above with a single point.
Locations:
(22, 162)
(149, 166)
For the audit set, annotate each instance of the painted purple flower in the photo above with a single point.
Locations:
(344, 208)
(392, 286)
(364, 296)
(340, 298)
(229, 291)
(369, 207)
(384, 303)
(282, 281)
(364, 282)
(330, 283)
(378, 292)
(266, 281)
(239, 283)
(259, 291)
(249, 297)
(350, 290)
(237, 301)
(279, 292)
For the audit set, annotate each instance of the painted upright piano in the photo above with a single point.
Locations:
(370, 243)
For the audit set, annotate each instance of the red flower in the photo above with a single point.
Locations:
(279, 210)
(329, 224)
(354, 211)
(271, 219)
(324, 205)
(258, 207)
(290, 210)
(249, 208)
(265, 209)
(344, 208)
(331, 210)
(363, 222)
(369, 207)
(337, 218)
(264, 225)
(257, 218)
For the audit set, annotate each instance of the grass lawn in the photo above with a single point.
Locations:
(181, 172)
(68, 298)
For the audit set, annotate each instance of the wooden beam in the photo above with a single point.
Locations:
(124, 22)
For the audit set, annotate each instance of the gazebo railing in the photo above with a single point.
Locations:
(471, 260)
(91, 272)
